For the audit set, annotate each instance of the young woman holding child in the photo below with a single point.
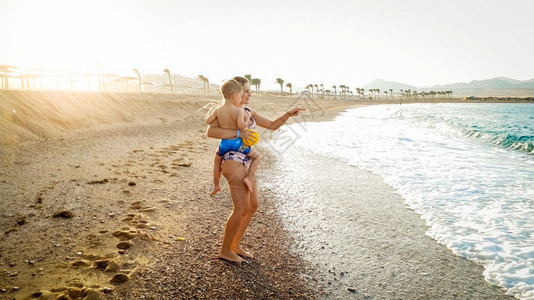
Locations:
(234, 166)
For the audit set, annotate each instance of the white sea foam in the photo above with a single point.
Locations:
(477, 195)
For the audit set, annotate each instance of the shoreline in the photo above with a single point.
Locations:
(362, 238)
(137, 185)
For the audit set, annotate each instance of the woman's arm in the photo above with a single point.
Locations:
(214, 131)
(273, 125)
(241, 122)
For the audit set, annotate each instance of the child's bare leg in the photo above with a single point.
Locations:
(216, 174)
(249, 179)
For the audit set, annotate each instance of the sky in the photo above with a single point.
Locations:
(418, 42)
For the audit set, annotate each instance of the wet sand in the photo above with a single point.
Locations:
(106, 196)
(362, 238)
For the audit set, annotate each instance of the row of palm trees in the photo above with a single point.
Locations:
(344, 90)
(105, 79)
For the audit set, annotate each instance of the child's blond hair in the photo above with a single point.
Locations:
(230, 87)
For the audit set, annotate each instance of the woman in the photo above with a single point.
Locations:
(234, 169)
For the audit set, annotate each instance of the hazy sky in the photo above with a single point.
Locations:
(419, 42)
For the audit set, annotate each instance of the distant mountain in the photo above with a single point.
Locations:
(498, 86)
(493, 83)
(385, 85)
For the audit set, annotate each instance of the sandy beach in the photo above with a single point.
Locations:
(106, 196)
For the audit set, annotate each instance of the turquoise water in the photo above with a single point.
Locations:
(467, 169)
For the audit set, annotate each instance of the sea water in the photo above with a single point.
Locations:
(466, 168)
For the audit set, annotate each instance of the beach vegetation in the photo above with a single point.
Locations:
(206, 83)
(280, 81)
(256, 82)
(138, 76)
(290, 86)
(170, 81)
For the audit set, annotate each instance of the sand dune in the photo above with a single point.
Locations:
(30, 115)
(34, 115)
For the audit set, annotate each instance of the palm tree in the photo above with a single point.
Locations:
(344, 90)
(342, 87)
(290, 86)
(335, 90)
(322, 88)
(391, 93)
(256, 82)
(138, 76)
(170, 81)
(310, 86)
(280, 81)
(206, 83)
(203, 79)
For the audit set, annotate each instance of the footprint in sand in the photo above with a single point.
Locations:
(136, 205)
(75, 293)
(81, 263)
(119, 278)
(124, 235)
(124, 245)
(138, 221)
(106, 265)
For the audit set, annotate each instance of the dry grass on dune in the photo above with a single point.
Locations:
(29, 115)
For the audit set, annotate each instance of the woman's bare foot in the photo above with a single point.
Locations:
(231, 257)
(243, 253)
(248, 182)
(216, 189)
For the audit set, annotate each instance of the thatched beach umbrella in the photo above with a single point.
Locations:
(87, 76)
(31, 76)
(126, 79)
(146, 84)
(6, 72)
(106, 81)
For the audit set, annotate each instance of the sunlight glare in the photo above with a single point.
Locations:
(86, 36)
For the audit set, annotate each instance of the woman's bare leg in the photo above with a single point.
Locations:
(251, 176)
(234, 172)
(251, 209)
(216, 174)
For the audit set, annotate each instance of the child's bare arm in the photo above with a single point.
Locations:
(212, 117)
